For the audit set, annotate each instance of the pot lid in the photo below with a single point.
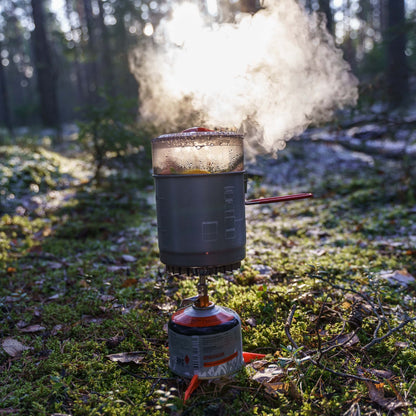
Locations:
(199, 132)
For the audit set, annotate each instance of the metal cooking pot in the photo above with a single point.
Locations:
(200, 200)
(199, 179)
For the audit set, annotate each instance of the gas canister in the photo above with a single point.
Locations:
(205, 342)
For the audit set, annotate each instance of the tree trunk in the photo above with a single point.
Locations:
(127, 84)
(92, 53)
(249, 6)
(308, 5)
(82, 86)
(46, 74)
(4, 97)
(325, 7)
(107, 63)
(397, 75)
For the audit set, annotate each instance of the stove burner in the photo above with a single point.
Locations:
(202, 271)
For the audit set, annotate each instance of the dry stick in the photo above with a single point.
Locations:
(375, 339)
(317, 329)
(144, 341)
(342, 329)
(320, 350)
(349, 289)
(388, 333)
(288, 324)
(362, 296)
(353, 334)
(380, 321)
(382, 313)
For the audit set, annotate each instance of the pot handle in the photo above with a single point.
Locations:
(195, 129)
(278, 199)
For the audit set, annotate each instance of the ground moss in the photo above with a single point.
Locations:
(86, 272)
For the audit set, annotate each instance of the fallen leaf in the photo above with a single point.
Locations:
(401, 344)
(32, 328)
(259, 364)
(129, 282)
(13, 347)
(114, 341)
(107, 298)
(115, 269)
(54, 265)
(12, 299)
(398, 277)
(47, 231)
(307, 298)
(346, 305)
(376, 394)
(55, 296)
(280, 387)
(270, 374)
(126, 357)
(165, 307)
(128, 258)
(89, 319)
(251, 321)
(57, 328)
(37, 249)
(346, 340)
(380, 373)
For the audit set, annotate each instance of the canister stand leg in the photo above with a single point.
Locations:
(195, 381)
(193, 385)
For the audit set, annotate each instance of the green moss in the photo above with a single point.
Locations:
(63, 269)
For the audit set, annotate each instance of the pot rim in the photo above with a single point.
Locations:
(198, 134)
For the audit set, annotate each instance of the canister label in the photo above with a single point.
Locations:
(208, 356)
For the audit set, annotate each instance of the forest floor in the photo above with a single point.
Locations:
(327, 289)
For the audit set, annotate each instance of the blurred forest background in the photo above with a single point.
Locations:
(61, 57)
(81, 282)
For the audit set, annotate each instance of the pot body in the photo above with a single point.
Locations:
(201, 220)
(205, 342)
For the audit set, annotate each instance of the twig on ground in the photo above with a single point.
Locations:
(382, 313)
(380, 318)
(389, 332)
(341, 344)
(349, 289)
(146, 343)
(317, 329)
(146, 376)
(288, 325)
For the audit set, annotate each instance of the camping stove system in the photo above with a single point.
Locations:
(200, 202)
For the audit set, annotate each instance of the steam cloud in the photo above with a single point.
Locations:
(270, 75)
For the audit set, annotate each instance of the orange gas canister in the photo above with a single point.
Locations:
(205, 342)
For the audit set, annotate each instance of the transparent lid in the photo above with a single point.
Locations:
(197, 151)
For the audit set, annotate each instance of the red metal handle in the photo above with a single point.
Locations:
(195, 129)
(278, 199)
